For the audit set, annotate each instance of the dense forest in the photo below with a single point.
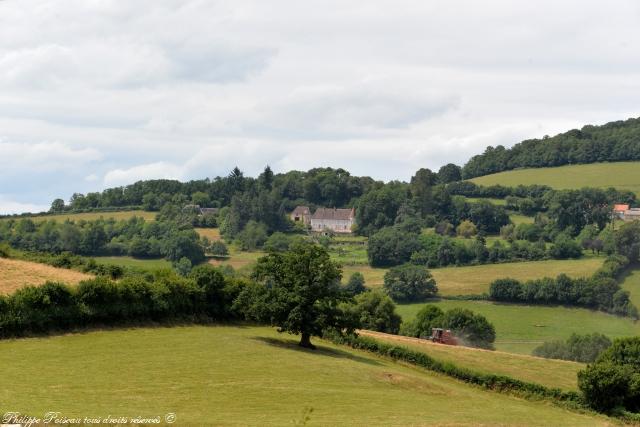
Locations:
(612, 142)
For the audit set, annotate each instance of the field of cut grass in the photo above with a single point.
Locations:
(15, 274)
(631, 283)
(521, 328)
(476, 279)
(622, 175)
(126, 261)
(210, 233)
(90, 216)
(245, 376)
(548, 372)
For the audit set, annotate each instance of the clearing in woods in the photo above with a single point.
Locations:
(631, 283)
(621, 175)
(521, 328)
(228, 375)
(15, 274)
(548, 372)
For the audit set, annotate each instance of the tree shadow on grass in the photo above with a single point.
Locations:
(320, 350)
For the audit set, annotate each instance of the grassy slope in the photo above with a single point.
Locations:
(15, 274)
(631, 283)
(623, 176)
(126, 261)
(88, 216)
(521, 328)
(241, 376)
(476, 279)
(548, 372)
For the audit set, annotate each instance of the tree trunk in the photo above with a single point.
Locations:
(305, 341)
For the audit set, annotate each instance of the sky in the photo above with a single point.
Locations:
(100, 93)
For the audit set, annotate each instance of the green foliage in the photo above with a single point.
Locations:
(466, 229)
(579, 348)
(601, 291)
(613, 381)
(627, 241)
(300, 292)
(355, 284)
(409, 283)
(253, 236)
(375, 311)
(218, 248)
(391, 246)
(565, 247)
(183, 266)
(429, 316)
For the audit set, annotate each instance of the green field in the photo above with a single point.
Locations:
(126, 261)
(521, 328)
(499, 202)
(548, 372)
(622, 175)
(476, 279)
(90, 216)
(631, 283)
(244, 376)
(521, 219)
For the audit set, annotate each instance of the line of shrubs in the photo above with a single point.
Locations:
(601, 291)
(206, 295)
(500, 383)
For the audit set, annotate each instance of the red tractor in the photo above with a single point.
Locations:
(443, 336)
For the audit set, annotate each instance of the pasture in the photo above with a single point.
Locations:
(621, 175)
(15, 274)
(548, 372)
(210, 233)
(473, 280)
(234, 375)
(127, 261)
(92, 216)
(521, 328)
(631, 283)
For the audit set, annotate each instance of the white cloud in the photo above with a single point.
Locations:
(9, 206)
(159, 170)
(99, 93)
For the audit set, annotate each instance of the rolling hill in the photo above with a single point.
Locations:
(622, 176)
(245, 376)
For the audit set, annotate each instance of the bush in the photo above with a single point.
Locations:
(218, 248)
(429, 316)
(377, 312)
(409, 283)
(472, 329)
(391, 246)
(614, 380)
(466, 229)
(578, 348)
(355, 285)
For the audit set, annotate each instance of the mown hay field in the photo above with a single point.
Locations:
(235, 375)
(15, 274)
(548, 372)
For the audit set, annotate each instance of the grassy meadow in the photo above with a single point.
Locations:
(631, 283)
(548, 372)
(127, 261)
(476, 279)
(521, 328)
(15, 274)
(91, 216)
(230, 375)
(621, 175)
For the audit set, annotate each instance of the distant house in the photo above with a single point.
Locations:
(301, 214)
(619, 210)
(200, 211)
(335, 220)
